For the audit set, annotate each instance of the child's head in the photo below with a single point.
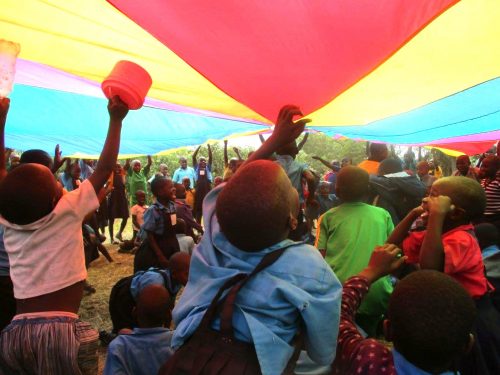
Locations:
(335, 165)
(28, 193)
(345, 162)
(290, 149)
(423, 168)
(430, 317)
(37, 157)
(14, 160)
(163, 169)
(352, 184)
(218, 180)
(487, 235)
(183, 162)
(463, 164)
(140, 196)
(258, 206)
(153, 307)
(118, 169)
(136, 166)
(389, 166)
(163, 189)
(180, 191)
(202, 162)
(234, 164)
(466, 195)
(490, 166)
(186, 182)
(324, 188)
(378, 151)
(179, 266)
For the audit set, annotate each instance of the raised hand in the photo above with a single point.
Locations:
(285, 130)
(117, 109)
(384, 260)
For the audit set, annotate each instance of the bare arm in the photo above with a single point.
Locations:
(262, 139)
(285, 131)
(4, 109)
(237, 152)
(302, 142)
(209, 156)
(226, 161)
(58, 161)
(323, 161)
(401, 231)
(107, 161)
(147, 168)
(126, 167)
(311, 186)
(432, 250)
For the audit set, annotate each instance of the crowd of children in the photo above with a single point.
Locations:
(399, 255)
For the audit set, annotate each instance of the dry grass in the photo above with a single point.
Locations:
(103, 275)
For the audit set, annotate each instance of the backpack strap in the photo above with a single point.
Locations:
(235, 283)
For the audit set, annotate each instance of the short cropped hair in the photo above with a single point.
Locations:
(431, 317)
(157, 182)
(254, 207)
(378, 151)
(352, 184)
(389, 166)
(465, 193)
(28, 193)
(36, 156)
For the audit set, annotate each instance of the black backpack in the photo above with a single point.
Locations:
(211, 352)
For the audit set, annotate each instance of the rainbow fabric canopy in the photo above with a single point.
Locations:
(397, 71)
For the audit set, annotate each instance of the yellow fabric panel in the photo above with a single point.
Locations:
(446, 151)
(457, 50)
(87, 37)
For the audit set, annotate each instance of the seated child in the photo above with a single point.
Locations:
(124, 293)
(428, 336)
(43, 238)
(137, 177)
(487, 236)
(159, 221)
(137, 211)
(186, 243)
(245, 221)
(448, 245)
(347, 235)
(148, 346)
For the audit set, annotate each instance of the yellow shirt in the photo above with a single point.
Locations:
(190, 197)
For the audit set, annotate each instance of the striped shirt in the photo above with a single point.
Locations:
(492, 190)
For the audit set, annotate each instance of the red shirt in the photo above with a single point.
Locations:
(462, 257)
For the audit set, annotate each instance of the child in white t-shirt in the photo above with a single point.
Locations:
(43, 238)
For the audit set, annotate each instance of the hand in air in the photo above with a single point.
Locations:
(384, 260)
(439, 205)
(117, 109)
(4, 107)
(286, 130)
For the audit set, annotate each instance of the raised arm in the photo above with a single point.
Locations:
(323, 161)
(58, 160)
(195, 157)
(311, 186)
(226, 160)
(401, 231)
(302, 142)
(209, 156)
(262, 139)
(147, 168)
(237, 152)
(126, 167)
(4, 109)
(285, 131)
(432, 251)
(107, 161)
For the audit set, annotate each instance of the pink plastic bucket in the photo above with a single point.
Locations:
(130, 82)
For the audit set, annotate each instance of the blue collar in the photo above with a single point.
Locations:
(404, 367)
(490, 250)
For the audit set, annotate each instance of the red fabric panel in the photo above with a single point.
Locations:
(468, 148)
(269, 53)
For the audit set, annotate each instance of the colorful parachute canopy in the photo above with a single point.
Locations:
(396, 71)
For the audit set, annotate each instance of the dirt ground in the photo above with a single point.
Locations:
(102, 275)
